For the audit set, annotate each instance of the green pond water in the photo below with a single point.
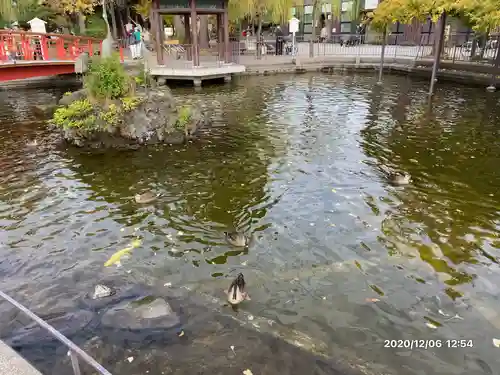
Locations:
(341, 260)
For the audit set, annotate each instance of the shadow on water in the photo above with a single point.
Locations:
(339, 254)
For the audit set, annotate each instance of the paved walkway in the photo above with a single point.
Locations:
(11, 363)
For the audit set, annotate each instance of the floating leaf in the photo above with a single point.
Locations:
(180, 334)
(247, 372)
(496, 342)
(430, 325)
(232, 348)
(358, 265)
(372, 300)
(334, 191)
(130, 359)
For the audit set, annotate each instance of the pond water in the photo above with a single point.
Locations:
(341, 260)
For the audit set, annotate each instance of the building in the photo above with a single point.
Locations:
(344, 21)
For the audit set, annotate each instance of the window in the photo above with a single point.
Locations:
(308, 9)
(346, 6)
(326, 8)
(345, 27)
(294, 12)
(345, 17)
(308, 18)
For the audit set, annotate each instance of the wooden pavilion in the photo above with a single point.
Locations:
(190, 9)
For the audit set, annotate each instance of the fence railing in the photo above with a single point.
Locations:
(26, 46)
(74, 351)
(456, 47)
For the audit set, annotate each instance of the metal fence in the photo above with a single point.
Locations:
(74, 351)
(456, 47)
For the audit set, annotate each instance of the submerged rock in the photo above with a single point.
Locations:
(68, 324)
(141, 313)
(144, 118)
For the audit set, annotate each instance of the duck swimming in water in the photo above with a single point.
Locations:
(147, 197)
(237, 239)
(33, 143)
(400, 178)
(236, 292)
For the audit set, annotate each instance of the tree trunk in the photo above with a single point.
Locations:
(313, 31)
(122, 27)
(439, 47)
(113, 19)
(82, 29)
(382, 54)
(259, 38)
(179, 29)
(203, 32)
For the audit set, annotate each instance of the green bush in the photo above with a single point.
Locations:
(77, 115)
(106, 78)
(130, 103)
(112, 115)
(184, 117)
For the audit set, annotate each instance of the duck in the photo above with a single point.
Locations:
(32, 143)
(146, 197)
(237, 239)
(236, 292)
(400, 178)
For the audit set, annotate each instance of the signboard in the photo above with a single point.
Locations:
(293, 25)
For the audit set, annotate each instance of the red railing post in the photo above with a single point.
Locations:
(122, 57)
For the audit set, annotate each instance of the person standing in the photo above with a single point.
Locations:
(138, 39)
(279, 41)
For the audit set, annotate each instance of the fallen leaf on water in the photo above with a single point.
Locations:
(247, 372)
(122, 230)
(496, 342)
(430, 325)
(232, 348)
(358, 265)
(130, 359)
(167, 284)
(181, 333)
(372, 300)
(334, 191)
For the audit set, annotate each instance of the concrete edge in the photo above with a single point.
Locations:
(12, 363)
(465, 77)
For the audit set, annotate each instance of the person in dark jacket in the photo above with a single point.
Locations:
(279, 41)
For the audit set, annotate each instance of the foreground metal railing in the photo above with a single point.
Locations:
(74, 350)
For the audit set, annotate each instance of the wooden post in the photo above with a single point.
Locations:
(158, 38)
(220, 37)
(227, 43)
(187, 34)
(382, 54)
(439, 47)
(194, 34)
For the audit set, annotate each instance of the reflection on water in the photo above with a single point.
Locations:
(339, 255)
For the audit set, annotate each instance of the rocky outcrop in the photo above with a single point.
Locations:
(146, 118)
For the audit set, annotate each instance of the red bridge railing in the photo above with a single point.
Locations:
(26, 46)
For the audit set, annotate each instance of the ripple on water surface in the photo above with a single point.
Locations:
(338, 253)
